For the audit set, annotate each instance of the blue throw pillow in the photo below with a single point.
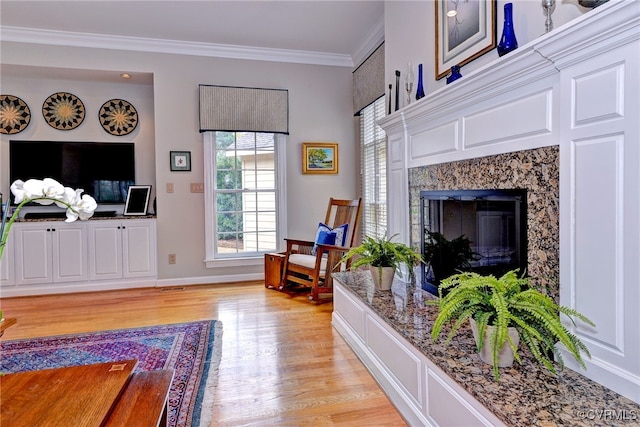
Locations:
(325, 234)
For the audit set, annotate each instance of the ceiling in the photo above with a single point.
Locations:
(332, 27)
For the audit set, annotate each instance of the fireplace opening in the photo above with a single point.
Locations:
(483, 231)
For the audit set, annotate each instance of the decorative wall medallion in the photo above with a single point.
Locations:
(14, 114)
(63, 111)
(118, 117)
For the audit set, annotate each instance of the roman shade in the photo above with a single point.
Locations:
(244, 109)
(368, 80)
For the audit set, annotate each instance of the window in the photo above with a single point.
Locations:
(373, 144)
(242, 197)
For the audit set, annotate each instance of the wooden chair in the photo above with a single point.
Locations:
(303, 269)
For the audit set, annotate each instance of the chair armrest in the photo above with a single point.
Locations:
(334, 255)
(296, 246)
(299, 242)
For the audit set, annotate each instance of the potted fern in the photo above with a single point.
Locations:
(493, 306)
(384, 257)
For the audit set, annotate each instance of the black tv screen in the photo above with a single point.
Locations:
(103, 170)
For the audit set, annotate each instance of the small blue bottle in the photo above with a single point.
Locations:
(420, 91)
(508, 41)
(455, 74)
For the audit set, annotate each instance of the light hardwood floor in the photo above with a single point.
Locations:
(282, 362)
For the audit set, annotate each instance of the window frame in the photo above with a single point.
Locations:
(212, 259)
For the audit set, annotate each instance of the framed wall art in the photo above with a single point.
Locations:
(464, 32)
(137, 201)
(180, 161)
(319, 157)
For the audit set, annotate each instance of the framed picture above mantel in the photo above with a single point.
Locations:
(465, 30)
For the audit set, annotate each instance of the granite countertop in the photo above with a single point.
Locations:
(526, 395)
(93, 218)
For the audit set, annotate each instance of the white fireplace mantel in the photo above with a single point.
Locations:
(577, 87)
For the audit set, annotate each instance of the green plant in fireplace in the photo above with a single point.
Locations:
(447, 257)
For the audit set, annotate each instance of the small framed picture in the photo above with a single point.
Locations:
(180, 160)
(137, 201)
(319, 157)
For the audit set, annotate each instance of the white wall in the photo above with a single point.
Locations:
(320, 109)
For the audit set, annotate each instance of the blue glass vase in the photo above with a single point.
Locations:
(455, 74)
(508, 40)
(420, 91)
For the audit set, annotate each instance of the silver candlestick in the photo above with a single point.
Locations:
(547, 5)
(408, 82)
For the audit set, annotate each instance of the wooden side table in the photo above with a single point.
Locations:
(273, 265)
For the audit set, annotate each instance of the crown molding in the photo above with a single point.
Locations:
(139, 44)
(371, 43)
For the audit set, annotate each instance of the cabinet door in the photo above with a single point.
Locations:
(139, 248)
(69, 253)
(6, 264)
(32, 252)
(105, 250)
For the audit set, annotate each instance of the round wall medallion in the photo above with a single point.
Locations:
(63, 111)
(14, 114)
(118, 117)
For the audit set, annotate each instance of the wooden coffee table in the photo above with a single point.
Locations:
(91, 395)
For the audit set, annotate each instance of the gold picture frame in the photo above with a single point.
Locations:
(319, 158)
(464, 32)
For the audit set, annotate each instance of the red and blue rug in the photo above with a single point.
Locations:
(191, 349)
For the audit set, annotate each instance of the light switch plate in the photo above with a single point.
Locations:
(197, 187)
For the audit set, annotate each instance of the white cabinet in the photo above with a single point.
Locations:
(48, 257)
(6, 265)
(49, 252)
(122, 249)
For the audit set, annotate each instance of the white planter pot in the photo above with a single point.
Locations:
(505, 357)
(382, 283)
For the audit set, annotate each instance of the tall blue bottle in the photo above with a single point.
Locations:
(420, 91)
(508, 40)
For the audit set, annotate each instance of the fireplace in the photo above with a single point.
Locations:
(483, 231)
(531, 175)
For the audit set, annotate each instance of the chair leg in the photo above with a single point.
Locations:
(314, 294)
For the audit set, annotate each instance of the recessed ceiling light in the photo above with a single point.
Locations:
(125, 75)
(452, 13)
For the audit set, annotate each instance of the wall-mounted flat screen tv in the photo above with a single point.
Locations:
(103, 170)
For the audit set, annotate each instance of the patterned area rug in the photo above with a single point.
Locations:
(191, 349)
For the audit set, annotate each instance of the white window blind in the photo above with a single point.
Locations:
(373, 144)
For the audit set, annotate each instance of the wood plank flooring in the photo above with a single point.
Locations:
(282, 362)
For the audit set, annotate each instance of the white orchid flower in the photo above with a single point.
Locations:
(69, 197)
(43, 191)
(17, 188)
(53, 189)
(80, 206)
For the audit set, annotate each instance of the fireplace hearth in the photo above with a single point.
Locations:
(483, 231)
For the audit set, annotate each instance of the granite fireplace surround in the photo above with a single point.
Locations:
(536, 170)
